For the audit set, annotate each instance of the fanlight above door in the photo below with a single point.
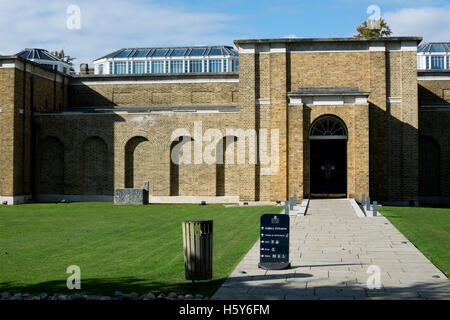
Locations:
(328, 127)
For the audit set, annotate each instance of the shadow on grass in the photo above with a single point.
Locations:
(107, 286)
(273, 286)
(304, 286)
(110, 285)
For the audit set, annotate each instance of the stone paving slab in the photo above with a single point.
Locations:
(331, 249)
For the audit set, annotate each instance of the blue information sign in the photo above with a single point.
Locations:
(274, 242)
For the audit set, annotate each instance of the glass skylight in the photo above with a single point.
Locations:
(433, 56)
(170, 60)
(123, 54)
(215, 52)
(437, 48)
(434, 47)
(159, 53)
(178, 52)
(141, 53)
(45, 59)
(197, 52)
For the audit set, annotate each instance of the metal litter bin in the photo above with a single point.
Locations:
(198, 249)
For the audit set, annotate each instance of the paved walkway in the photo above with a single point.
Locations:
(331, 249)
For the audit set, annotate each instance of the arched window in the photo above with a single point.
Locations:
(429, 167)
(135, 161)
(174, 155)
(328, 127)
(221, 162)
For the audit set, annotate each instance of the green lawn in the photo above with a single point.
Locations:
(126, 248)
(427, 228)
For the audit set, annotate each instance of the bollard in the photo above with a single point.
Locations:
(368, 204)
(363, 200)
(286, 207)
(375, 208)
(291, 203)
(146, 191)
(295, 199)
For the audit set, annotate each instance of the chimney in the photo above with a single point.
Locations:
(84, 68)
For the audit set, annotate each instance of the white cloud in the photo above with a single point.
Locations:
(107, 26)
(431, 23)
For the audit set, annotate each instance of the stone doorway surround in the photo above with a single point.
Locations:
(351, 106)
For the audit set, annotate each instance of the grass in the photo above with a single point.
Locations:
(427, 228)
(126, 248)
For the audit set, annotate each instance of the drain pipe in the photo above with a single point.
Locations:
(33, 142)
(24, 136)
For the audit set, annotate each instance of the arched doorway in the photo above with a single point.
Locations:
(175, 161)
(136, 155)
(222, 166)
(429, 167)
(328, 158)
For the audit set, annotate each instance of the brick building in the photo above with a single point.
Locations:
(315, 117)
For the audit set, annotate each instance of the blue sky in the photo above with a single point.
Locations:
(322, 18)
(107, 25)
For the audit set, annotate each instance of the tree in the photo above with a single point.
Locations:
(373, 29)
(62, 56)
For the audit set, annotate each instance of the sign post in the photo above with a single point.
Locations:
(274, 242)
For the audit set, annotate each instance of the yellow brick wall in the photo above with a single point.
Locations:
(96, 153)
(15, 89)
(433, 124)
(153, 94)
(112, 138)
(330, 69)
(434, 92)
(278, 120)
(7, 84)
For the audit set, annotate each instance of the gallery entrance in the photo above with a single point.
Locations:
(328, 158)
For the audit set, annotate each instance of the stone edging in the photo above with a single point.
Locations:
(118, 296)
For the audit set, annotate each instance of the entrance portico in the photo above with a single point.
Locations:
(336, 141)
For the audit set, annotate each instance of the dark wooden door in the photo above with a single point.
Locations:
(328, 168)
